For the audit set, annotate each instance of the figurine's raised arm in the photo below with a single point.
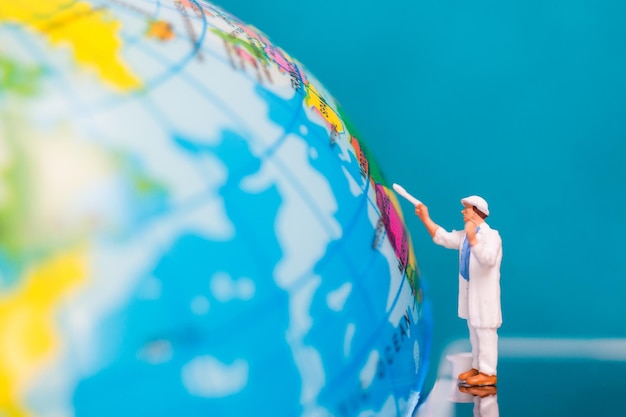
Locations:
(422, 212)
(441, 236)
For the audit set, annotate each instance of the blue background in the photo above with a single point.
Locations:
(522, 102)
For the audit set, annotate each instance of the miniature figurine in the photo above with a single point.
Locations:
(480, 256)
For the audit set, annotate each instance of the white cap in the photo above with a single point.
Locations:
(478, 202)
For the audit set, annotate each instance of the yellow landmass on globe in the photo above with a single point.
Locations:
(313, 99)
(91, 33)
(27, 334)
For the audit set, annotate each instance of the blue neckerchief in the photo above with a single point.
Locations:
(465, 257)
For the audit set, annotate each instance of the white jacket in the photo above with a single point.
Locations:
(479, 298)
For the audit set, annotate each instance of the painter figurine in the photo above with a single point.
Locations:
(480, 255)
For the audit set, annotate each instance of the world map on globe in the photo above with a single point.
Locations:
(190, 225)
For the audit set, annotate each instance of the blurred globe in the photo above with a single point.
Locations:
(190, 226)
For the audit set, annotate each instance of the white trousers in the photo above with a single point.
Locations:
(484, 341)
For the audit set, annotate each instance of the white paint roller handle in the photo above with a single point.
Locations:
(400, 190)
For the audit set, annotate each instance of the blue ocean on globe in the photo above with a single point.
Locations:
(190, 225)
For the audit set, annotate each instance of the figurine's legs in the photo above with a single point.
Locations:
(484, 355)
(475, 345)
(474, 342)
(487, 339)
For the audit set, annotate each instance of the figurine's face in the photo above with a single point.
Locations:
(468, 213)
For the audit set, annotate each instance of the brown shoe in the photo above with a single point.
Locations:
(467, 374)
(481, 380)
(481, 392)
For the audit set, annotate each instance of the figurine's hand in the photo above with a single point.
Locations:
(470, 229)
(422, 212)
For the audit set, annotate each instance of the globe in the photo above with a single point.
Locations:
(190, 225)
